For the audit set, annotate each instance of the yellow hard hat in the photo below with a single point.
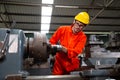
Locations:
(82, 17)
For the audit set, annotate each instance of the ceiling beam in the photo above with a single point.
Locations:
(64, 16)
(18, 3)
(58, 23)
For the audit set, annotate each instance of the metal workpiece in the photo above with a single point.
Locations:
(55, 77)
(55, 48)
(58, 47)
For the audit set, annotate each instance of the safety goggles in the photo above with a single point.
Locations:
(81, 25)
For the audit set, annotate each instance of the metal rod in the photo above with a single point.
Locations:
(53, 77)
(101, 11)
(96, 15)
(5, 8)
(4, 21)
(109, 3)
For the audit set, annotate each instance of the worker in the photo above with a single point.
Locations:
(72, 39)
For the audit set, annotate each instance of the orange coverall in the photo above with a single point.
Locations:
(65, 63)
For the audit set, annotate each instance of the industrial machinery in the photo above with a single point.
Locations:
(22, 57)
(28, 58)
(103, 58)
(11, 52)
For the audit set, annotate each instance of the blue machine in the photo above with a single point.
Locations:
(13, 60)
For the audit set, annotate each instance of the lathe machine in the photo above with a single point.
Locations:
(29, 58)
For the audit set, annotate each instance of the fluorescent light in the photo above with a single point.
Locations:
(45, 20)
(45, 24)
(45, 28)
(46, 11)
(47, 1)
(61, 6)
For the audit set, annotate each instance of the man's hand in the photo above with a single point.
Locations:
(64, 49)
